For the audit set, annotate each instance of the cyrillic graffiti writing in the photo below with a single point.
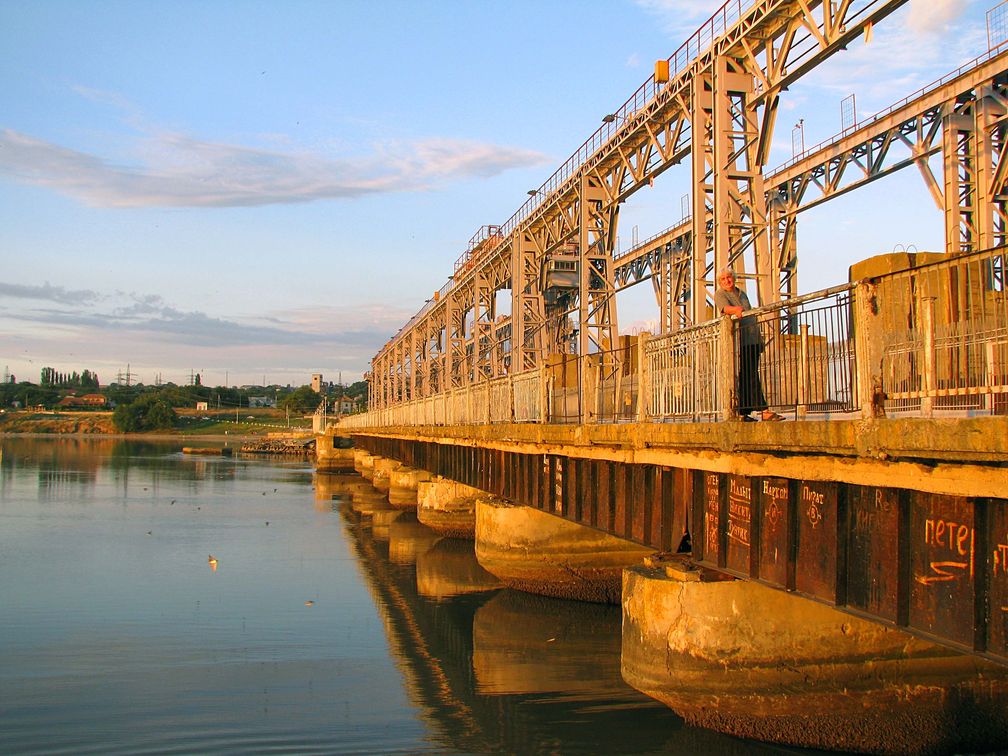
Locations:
(953, 539)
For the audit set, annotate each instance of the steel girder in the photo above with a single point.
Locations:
(528, 315)
(769, 42)
(963, 119)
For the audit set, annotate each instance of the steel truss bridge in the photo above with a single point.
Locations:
(902, 521)
(717, 109)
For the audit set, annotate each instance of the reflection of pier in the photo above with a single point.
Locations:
(507, 673)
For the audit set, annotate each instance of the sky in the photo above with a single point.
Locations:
(259, 191)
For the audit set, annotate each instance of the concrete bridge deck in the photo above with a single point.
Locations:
(904, 521)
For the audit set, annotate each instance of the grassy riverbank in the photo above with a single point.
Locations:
(249, 422)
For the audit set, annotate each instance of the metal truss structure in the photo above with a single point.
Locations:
(717, 108)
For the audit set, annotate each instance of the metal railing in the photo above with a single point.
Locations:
(683, 369)
(933, 338)
(946, 348)
(808, 365)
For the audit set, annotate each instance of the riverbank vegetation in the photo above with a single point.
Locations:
(57, 391)
(188, 423)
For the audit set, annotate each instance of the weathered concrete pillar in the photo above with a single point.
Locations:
(541, 553)
(449, 568)
(333, 453)
(403, 483)
(408, 538)
(448, 507)
(754, 662)
(364, 463)
(382, 469)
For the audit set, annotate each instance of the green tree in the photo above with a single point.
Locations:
(149, 412)
(301, 400)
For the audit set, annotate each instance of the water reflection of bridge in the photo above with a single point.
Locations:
(497, 671)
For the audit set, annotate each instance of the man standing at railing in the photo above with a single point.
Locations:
(731, 300)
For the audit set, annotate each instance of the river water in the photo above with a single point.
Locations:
(156, 602)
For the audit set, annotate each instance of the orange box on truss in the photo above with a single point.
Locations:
(661, 72)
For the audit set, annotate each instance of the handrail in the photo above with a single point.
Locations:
(999, 49)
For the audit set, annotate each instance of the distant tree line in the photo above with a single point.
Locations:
(54, 385)
(84, 380)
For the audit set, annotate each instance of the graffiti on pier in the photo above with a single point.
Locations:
(950, 539)
(712, 515)
(739, 525)
(774, 542)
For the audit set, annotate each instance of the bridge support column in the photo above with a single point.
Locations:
(447, 507)
(540, 553)
(382, 473)
(741, 658)
(363, 462)
(333, 452)
(403, 484)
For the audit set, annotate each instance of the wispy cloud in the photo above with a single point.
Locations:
(891, 66)
(679, 18)
(48, 293)
(176, 170)
(929, 16)
(107, 330)
(111, 316)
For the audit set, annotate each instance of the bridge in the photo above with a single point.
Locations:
(882, 495)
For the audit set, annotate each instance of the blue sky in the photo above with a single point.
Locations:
(262, 190)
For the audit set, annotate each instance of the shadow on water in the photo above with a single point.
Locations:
(500, 671)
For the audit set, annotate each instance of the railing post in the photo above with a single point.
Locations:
(643, 378)
(801, 411)
(596, 383)
(544, 409)
(868, 351)
(928, 337)
(726, 369)
(990, 363)
(511, 396)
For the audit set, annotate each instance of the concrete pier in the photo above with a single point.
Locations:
(539, 553)
(363, 462)
(403, 483)
(381, 478)
(448, 507)
(743, 659)
(333, 453)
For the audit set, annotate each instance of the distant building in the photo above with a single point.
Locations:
(316, 383)
(347, 405)
(88, 401)
(202, 406)
(261, 401)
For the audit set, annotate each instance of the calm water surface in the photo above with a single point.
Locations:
(317, 632)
